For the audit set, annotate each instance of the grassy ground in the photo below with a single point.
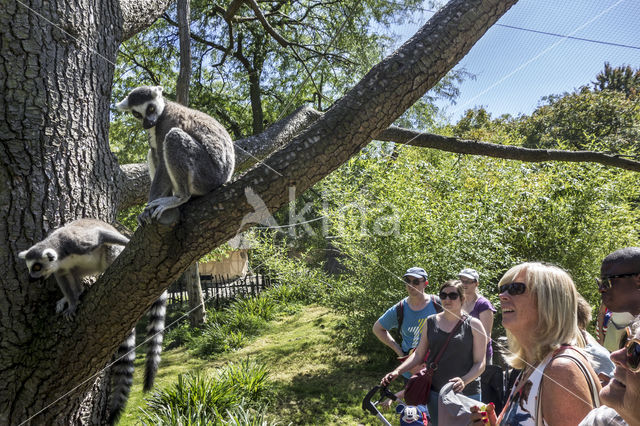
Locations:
(314, 380)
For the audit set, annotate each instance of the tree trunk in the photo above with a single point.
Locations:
(191, 280)
(184, 77)
(55, 166)
(57, 64)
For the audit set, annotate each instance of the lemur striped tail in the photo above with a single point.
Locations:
(155, 334)
(122, 377)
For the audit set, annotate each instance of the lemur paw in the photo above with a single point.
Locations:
(168, 217)
(70, 313)
(144, 217)
(160, 201)
(60, 305)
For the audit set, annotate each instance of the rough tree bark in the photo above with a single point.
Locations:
(56, 72)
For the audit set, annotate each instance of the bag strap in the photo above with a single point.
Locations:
(593, 389)
(454, 331)
(438, 307)
(400, 314)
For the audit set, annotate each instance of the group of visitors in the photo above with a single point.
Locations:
(565, 376)
(432, 319)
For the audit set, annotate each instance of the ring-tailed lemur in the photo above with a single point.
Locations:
(190, 152)
(88, 247)
(82, 248)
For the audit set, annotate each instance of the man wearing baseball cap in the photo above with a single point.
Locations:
(411, 312)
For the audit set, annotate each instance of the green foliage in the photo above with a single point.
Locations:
(226, 331)
(239, 416)
(244, 78)
(229, 328)
(585, 120)
(197, 399)
(622, 79)
(129, 217)
(445, 212)
(218, 253)
(182, 334)
(262, 307)
(603, 119)
(296, 279)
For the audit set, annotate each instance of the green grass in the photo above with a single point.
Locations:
(314, 380)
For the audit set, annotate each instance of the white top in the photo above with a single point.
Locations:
(603, 416)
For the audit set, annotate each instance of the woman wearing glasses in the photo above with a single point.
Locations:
(463, 359)
(556, 386)
(622, 394)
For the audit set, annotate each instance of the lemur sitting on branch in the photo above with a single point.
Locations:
(190, 152)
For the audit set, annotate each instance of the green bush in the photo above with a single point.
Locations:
(228, 329)
(444, 212)
(217, 338)
(261, 306)
(240, 416)
(181, 334)
(196, 399)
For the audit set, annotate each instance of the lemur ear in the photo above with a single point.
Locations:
(157, 90)
(51, 254)
(23, 254)
(123, 105)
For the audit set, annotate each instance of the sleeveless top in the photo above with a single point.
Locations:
(522, 407)
(457, 358)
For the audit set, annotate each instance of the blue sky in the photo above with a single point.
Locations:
(514, 69)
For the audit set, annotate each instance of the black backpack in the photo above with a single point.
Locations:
(400, 310)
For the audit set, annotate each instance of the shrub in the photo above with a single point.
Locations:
(196, 399)
(240, 416)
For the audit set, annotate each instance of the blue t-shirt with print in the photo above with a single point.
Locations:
(412, 322)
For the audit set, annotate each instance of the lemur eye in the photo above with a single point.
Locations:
(136, 114)
(37, 267)
(151, 108)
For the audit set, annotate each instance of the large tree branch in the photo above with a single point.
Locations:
(157, 255)
(255, 149)
(473, 147)
(134, 182)
(138, 15)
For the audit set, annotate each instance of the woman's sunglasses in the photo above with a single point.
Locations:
(452, 296)
(413, 281)
(632, 345)
(513, 289)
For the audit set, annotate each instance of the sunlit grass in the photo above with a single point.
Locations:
(314, 380)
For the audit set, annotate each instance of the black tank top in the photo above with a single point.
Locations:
(457, 359)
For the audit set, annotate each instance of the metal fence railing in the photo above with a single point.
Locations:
(218, 289)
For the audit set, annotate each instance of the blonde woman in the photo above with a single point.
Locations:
(557, 386)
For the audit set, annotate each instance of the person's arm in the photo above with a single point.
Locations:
(385, 337)
(565, 394)
(415, 358)
(479, 357)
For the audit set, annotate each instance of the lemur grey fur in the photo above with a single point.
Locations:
(88, 247)
(82, 248)
(190, 153)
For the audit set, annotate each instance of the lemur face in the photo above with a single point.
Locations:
(41, 264)
(145, 103)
